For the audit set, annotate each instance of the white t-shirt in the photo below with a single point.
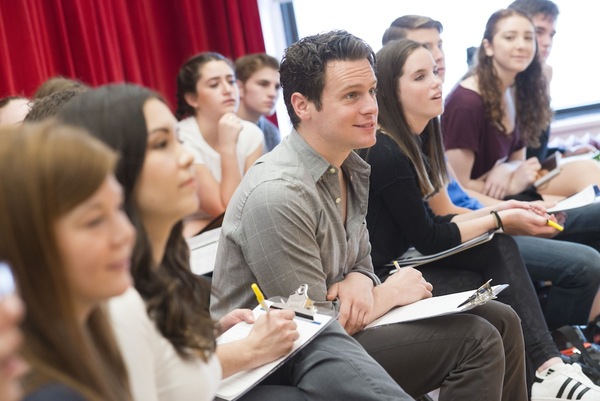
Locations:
(250, 138)
(156, 372)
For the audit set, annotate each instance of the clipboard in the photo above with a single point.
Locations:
(412, 257)
(439, 306)
(240, 383)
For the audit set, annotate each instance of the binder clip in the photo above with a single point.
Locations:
(481, 295)
(299, 302)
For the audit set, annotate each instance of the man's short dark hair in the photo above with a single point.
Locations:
(304, 63)
(247, 65)
(400, 27)
(533, 7)
(58, 84)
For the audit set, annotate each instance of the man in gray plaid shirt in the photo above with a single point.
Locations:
(298, 217)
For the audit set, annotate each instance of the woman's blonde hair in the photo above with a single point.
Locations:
(47, 170)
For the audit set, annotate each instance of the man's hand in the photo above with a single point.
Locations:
(409, 286)
(355, 293)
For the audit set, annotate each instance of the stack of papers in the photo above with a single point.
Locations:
(430, 307)
(237, 385)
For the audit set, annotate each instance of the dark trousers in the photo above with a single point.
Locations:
(478, 355)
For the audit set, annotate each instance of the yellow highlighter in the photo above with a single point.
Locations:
(554, 225)
(260, 297)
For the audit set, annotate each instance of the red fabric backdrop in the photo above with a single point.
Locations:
(101, 41)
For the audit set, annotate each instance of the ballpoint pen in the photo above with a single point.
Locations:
(396, 269)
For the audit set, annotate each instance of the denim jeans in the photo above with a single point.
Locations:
(583, 226)
(573, 269)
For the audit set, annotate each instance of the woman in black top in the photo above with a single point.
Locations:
(408, 166)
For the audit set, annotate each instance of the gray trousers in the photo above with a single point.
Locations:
(334, 366)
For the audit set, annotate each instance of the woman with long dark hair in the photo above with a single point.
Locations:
(407, 167)
(224, 146)
(163, 324)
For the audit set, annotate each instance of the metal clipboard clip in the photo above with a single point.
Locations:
(481, 295)
(299, 302)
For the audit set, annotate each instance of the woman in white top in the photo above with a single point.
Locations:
(223, 145)
(163, 325)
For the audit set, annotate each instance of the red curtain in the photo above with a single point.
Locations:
(101, 41)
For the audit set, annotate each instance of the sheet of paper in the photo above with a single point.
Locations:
(430, 307)
(582, 198)
(585, 156)
(236, 385)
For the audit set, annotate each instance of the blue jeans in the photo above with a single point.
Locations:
(573, 269)
(583, 226)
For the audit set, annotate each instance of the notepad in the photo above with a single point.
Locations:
(237, 385)
(412, 257)
(582, 198)
(203, 251)
(430, 307)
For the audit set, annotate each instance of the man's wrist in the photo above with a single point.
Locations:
(370, 275)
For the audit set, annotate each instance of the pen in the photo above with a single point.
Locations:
(396, 269)
(554, 225)
(260, 297)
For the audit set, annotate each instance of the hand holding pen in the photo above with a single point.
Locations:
(541, 211)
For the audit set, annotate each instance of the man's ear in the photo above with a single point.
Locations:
(191, 99)
(240, 85)
(301, 106)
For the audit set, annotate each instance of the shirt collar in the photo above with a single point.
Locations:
(317, 165)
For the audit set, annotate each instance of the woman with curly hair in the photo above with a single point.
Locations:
(499, 107)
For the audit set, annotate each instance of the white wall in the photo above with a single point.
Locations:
(575, 56)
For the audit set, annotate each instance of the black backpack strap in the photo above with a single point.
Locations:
(575, 339)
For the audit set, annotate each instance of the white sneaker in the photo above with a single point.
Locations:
(564, 382)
